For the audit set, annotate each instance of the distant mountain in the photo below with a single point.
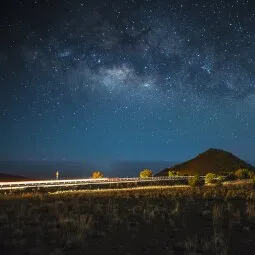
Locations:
(133, 168)
(76, 169)
(47, 169)
(12, 178)
(212, 160)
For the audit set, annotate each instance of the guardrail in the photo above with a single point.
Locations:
(61, 183)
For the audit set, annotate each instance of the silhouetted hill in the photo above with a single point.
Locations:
(12, 178)
(212, 160)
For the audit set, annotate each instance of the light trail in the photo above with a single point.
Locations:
(87, 181)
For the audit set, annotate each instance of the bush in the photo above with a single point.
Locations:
(97, 175)
(173, 173)
(229, 176)
(210, 178)
(244, 173)
(219, 181)
(221, 178)
(251, 174)
(195, 181)
(145, 173)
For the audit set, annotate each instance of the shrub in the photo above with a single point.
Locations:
(145, 173)
(243, 173)
(210, 178)
(251, 174)
(195, 181)
(220, 179)
(218, 182)
(173, 173)
(229, 176)
(97, 174)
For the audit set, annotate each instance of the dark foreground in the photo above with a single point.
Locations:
(152, 220)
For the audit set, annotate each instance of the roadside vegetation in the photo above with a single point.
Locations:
(244, 174)
(145, 173)
(97, 175)
(173, 173)
(211, 214)
(204, 219)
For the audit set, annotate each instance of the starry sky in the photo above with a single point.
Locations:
(126, 80)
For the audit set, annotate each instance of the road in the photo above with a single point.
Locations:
(79, 182)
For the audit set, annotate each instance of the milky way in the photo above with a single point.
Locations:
(92, 80)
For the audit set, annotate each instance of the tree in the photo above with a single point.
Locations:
(97, 174)
(195, 181)
(173, 173)
(243, 173)
(210, 178)
(145, 173)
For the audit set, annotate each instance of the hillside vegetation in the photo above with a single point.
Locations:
(213, 160)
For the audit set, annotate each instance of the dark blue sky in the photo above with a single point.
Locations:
(126, 80)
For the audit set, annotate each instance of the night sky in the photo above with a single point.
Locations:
(126, 80)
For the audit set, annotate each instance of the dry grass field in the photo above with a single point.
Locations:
(145, 220)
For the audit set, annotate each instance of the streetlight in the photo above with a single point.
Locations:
(57, 174)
